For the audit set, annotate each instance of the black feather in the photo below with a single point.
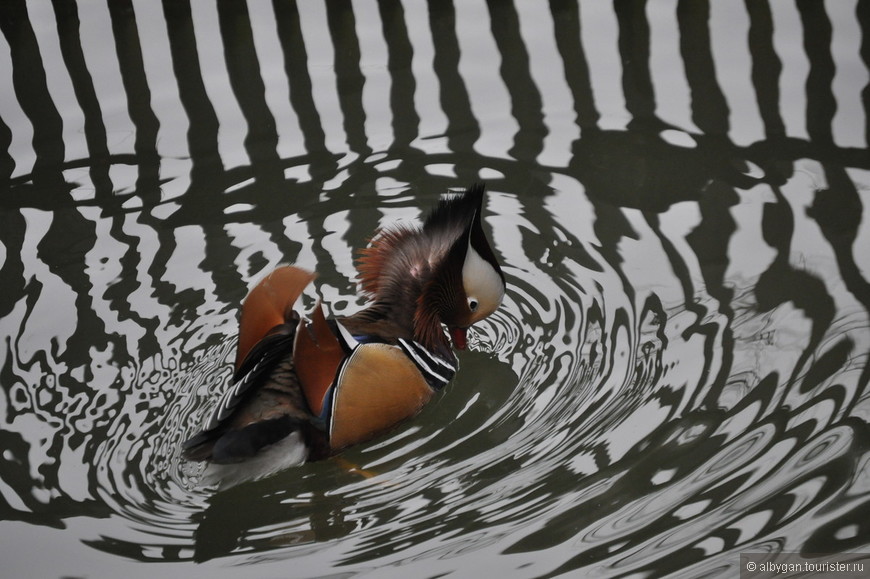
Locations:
(257, 366)
(454, 213)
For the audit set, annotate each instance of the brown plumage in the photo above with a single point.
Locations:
(339, 382)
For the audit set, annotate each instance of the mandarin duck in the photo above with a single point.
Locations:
(319, 385)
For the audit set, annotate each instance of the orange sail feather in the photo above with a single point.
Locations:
(317, 354)
(269, 304)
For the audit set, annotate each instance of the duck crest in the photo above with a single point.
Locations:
(388, 250)
(413, 273)
(411, 249)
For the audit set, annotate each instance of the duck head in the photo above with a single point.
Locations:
(444, 272)
(466, 284)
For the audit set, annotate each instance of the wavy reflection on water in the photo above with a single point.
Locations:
(678, 373)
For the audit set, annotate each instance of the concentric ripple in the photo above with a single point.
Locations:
(625, 410)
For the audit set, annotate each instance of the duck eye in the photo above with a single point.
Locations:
(472, 304)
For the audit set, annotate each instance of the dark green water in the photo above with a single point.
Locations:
(680, 196)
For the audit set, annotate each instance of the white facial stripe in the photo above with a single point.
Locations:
(481, 282)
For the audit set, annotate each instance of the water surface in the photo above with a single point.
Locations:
(679, 196)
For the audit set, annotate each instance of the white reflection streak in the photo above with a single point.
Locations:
(788, 43)
(645, 261)
(599, 33)
(729, 30)
(571, 211)
(297, 229)
(321, 68)
(391, 216)
(100, 54)
(378, 78)
(798, 192)
(490, 101)
(508, 235)
(433, 121)
(11, 114)
(250, 239)
(649, 271)
(57, 79)
(104, 269)
(675, 225)
(142, 300)
(53, 317)
(851, 75)
(860, 177)
(672, 93)
(335, 243)
(232, 125)
(183, 270)
(165, 100)
(749, 255)
(622, 437)
(270, 55)
(570, 207)
(810, 250)
(537, 31)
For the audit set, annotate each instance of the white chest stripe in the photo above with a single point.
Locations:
(437, 371)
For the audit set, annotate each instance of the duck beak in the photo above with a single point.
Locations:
(460, 338)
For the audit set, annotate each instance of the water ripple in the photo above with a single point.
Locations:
(679, 371)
